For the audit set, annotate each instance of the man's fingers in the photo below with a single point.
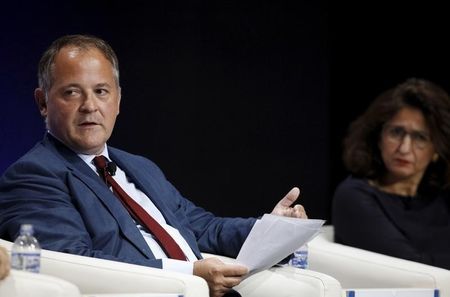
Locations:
(227, 276)
(230, 282)
(230, 270)
(283, 207)
(290, 197)
(299, 211)
(219, 276)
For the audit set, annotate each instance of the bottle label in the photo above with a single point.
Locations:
(299, 259)
(26, 261)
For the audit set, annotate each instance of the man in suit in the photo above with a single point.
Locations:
(57, 188)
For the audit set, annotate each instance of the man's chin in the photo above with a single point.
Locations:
(89, 148)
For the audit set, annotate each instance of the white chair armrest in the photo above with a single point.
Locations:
(25, 284)
(95, 276)
(286, 282)
(358, 268)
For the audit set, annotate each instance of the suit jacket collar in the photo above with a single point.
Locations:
(136, 176)
(80, 169)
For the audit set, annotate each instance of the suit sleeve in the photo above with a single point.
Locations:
(36, 194)
(217, 235)
(360, 221)
(212, 234)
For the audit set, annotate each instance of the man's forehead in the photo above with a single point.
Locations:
(72, 54)
(72, 51)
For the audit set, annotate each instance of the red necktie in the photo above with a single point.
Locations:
(166, 241)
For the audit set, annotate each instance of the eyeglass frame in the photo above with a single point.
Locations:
(419, 139)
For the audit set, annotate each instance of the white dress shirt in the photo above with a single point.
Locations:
(146, 203)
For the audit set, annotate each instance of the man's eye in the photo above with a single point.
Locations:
(101, 91)
(70, 92)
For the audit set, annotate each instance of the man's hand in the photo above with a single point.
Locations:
(220, 277)
(283, 207)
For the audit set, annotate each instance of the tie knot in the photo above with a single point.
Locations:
(104, 166)
(100, 162)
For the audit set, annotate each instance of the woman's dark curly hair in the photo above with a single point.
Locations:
(362, 156)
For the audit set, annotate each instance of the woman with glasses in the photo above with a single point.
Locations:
(397, 199)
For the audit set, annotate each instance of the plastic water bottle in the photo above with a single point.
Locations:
(300, 257)
(26, 252)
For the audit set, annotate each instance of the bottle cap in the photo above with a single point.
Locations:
(26, 229)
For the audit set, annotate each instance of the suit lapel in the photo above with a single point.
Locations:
(141, 183)
(145, 185)
(82, 171)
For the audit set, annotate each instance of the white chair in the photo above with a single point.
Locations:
(27, 284)
(98, 276)
(357, 268)
(286, 282)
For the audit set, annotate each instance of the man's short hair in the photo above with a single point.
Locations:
(83, 42)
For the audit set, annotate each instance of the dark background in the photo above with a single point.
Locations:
(375, 46)
(236, 102)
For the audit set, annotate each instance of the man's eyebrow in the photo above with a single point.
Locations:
(107, 85)
(72, 85)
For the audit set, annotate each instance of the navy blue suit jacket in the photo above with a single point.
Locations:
(73, 211)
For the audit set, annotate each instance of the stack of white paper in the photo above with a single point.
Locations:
(273, 238)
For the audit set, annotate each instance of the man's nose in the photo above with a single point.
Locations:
(89, 103)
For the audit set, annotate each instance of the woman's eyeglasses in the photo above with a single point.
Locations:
(396, 134)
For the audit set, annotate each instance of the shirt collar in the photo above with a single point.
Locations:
(88, 158)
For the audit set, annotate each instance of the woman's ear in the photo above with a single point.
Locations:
(435, 157)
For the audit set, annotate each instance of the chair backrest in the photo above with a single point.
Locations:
(357, 268)
(327, 233)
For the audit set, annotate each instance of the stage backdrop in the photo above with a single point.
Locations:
(230, 99)
(376, 47)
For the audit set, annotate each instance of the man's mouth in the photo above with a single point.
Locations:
(88, 124)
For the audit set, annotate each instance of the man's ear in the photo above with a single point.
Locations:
(41, 101)
(118, 100)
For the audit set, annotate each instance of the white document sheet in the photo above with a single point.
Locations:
(273, 238)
